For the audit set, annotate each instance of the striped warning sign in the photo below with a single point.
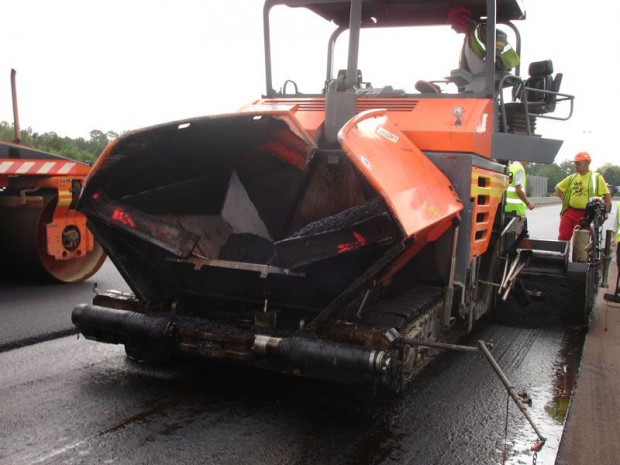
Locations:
(42, 167)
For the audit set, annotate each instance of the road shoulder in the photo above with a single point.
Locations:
(592, 426)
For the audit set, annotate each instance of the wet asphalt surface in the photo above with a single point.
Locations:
(72, 401)
(35, 312)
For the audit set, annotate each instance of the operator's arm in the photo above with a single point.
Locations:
(607, 200)
(604, 192)
(523, 197)
(559, 193)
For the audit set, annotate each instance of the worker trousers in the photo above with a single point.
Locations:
(570, 218)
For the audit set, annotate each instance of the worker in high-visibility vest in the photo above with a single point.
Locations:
(473, 52)
(576, 190)
(617, 293)
(618, 234)
(618, 223)
(516, 199)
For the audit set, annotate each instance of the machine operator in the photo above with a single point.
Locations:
(474, 51)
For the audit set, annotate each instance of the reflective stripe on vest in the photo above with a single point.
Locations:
(593, 186)
(513, 202)
(506, 57)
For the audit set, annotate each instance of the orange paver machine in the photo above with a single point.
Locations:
(313, 233)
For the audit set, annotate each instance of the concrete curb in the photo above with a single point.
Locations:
(591, 428)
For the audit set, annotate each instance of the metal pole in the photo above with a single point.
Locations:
(18, 137)
(512, 281)
(330, 55)
(507, 277)
(447, 306)
(481, 347)
(489, 88)
(267, 44)
(606, 260)
(438, 345)
(508, 386)
(355, 21)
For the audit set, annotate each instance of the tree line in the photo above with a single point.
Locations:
(78, 149)
(556, 173)
(88, 151)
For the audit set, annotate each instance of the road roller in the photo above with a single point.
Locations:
(42, 236)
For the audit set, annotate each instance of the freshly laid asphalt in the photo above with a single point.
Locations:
(592, 428)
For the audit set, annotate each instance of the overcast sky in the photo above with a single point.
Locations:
(121, 65)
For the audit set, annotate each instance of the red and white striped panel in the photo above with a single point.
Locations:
(42, 167)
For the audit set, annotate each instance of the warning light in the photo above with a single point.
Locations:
(121, 216)
(359, 241)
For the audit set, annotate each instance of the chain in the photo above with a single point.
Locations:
(535, 448)
(505, 453)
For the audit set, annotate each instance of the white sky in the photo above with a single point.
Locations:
(120, 65)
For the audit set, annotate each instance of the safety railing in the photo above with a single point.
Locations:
(506, 80)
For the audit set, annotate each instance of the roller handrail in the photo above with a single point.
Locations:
(562, 98)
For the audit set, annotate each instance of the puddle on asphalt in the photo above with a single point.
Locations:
(550, 406)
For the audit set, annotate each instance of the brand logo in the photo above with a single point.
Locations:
(387, 134)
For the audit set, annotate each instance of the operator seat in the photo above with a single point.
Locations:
(342, 74)
(538, 103)
(540, 78)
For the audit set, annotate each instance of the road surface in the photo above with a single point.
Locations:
(71, 401)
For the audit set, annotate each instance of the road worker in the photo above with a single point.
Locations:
(474, 50)
(516, 199)
(576, 190)
(618, 235)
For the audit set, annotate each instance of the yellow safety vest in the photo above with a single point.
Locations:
(592, 189)
(618, 223)
(513, 202)
(506, 58)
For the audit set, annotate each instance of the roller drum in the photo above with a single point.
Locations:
(23, 251)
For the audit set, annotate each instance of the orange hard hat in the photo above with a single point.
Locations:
(455, 11)
(582, 156)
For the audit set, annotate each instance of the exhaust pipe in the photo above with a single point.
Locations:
(18, 137)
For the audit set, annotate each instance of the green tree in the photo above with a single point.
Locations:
(99, 140)
(555, 173)
(611, 173)
(78, 149)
